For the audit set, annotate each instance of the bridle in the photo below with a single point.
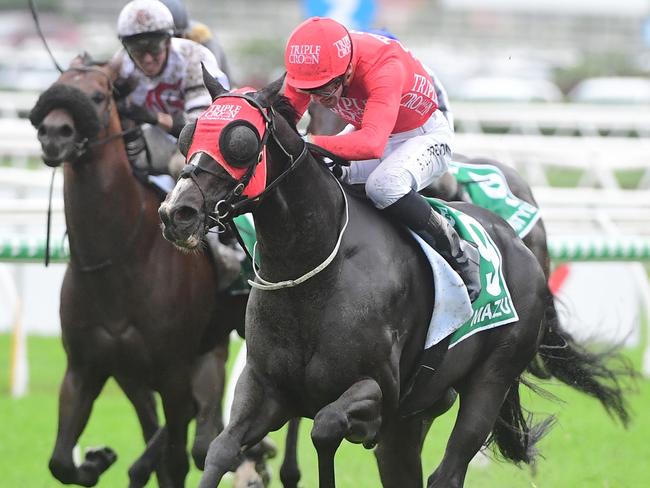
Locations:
(83, 146)
(235, 203)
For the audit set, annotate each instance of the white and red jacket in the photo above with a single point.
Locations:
(179, 87)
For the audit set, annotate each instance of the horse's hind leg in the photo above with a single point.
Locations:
(144, 402)
(356, 416)
(481, 398)
(79, 390)
(207, 386)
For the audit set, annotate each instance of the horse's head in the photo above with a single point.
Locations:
(236, 151)
(74, 111)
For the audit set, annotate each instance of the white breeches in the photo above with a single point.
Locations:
(411, 161)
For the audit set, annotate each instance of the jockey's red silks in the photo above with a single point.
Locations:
(208, 129)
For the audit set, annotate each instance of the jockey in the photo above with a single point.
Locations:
(163, 77)
(401, 142)
(197, 32)
(164, 81)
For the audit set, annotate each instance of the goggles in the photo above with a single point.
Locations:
(326, 90)
(138, 46)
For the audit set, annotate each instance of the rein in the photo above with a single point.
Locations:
(32, 7)
(85, 144)
(269, 285)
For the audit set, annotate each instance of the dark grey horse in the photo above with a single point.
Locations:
(341, 346)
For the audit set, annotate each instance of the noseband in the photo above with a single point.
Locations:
(83, 146)
(234, 203)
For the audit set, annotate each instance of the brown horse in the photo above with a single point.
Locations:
(132, 307)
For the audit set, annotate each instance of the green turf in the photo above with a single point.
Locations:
(585, 449)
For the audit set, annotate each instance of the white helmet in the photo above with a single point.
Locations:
(143, 17)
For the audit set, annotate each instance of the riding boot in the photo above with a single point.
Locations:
(414, 211)
(462, 256)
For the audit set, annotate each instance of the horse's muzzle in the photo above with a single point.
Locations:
(181, 225)
(57, 135)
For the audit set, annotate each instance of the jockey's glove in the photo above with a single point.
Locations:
(138, 113)
(122, 87)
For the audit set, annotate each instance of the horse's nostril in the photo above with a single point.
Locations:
(42, 130)
(66, 131)
(184, 214)
(163, 214)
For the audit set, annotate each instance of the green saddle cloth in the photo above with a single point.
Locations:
(487, 187)
(494, 306)
(246, 229)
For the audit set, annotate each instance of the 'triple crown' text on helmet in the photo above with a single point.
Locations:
(179, 13)
(318, 50)
(144, 17)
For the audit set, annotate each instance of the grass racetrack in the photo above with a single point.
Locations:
(584, 449)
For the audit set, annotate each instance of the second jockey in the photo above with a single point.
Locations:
(164, 78)
(162, 88)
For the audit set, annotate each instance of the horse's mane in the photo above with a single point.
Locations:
(284, 107)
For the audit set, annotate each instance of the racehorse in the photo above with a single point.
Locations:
(336, 320)
(129, 298)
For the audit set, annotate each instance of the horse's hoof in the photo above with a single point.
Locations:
(247, 476)
(270, 450)
(99, 458)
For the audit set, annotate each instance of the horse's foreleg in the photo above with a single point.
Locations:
(289, 471)
(356, 416)
(480, 402)
(256, 411)
(78, 392)
(398, 453)
(207, 386)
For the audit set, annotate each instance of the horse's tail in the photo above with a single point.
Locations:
(513, 434)
(559, 356)
(597, 374)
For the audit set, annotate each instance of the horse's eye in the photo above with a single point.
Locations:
(98, 97)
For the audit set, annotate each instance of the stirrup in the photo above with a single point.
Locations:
(471, 270)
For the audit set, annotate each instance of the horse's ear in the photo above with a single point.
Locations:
(185, 138)
(267, 95)
(213, 86)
